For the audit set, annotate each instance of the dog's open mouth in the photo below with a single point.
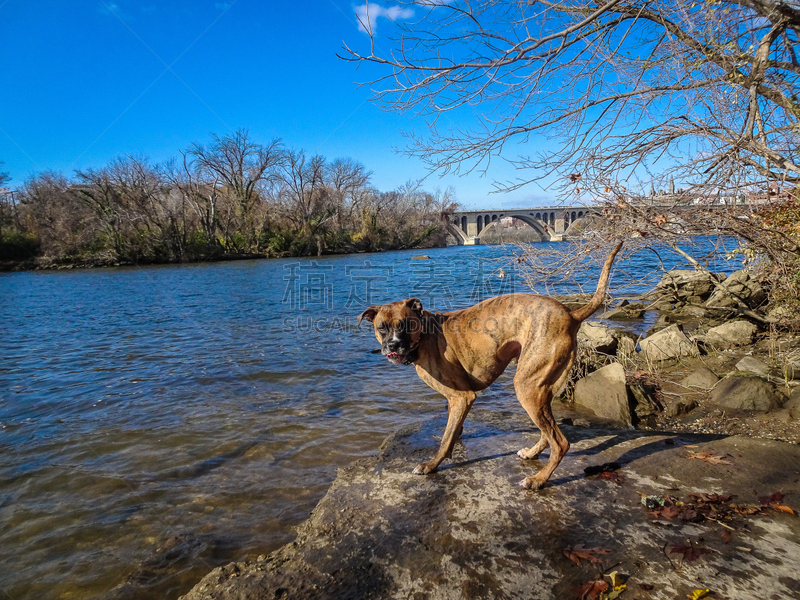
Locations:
(395, 357)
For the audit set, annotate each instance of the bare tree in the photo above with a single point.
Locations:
(347, 179)
(52, 213)
(237, 167)
(305, 197)
(703, 91)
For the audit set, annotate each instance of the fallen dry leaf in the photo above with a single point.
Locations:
(710, 498)
(697, 594)
(709, 457)
(726, 536)
(775, 498)
(612, 476)
(690, 552)
(593, 589)
(578, 553)
(775, 501)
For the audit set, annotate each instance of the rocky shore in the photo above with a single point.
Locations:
(683, 479)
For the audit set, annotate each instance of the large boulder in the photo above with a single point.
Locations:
(683, 284)
(741, 285)
(667, 343)
(466, 532)
(605, 394)
(730, 335)
(747, 392)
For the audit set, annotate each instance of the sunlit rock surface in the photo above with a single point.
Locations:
(468, 531)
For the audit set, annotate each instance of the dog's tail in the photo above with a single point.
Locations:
(583, 313)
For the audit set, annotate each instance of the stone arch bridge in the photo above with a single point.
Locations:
(550, 222)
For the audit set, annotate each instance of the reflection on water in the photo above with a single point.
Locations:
(156, 422)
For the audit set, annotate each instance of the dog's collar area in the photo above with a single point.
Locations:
(410, 357)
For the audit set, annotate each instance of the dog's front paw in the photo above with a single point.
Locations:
(424, 469)
(531, 483)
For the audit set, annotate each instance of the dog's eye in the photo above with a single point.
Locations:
(383, 328)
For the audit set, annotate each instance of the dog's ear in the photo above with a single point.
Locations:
(368, 314)
(414, 304)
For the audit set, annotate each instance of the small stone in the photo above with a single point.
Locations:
(753, 365)
(701, 377)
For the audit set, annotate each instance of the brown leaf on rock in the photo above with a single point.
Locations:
(593, 590)
(775, 502)
(726, 536)
(690, 552)
(709, 457)
(776, 498)
(578, 553)
(612, 476)
(710, 498)
(746, 509)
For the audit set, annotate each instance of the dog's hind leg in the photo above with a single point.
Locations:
(459, 404)
(536, 396)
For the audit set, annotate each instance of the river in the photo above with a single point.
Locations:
(158, 421)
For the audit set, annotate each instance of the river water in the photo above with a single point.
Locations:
(156, 422)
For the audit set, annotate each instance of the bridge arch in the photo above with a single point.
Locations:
(454, 227)
(535, 223)
(528, 220)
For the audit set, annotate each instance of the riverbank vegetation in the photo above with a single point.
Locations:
(233, 197)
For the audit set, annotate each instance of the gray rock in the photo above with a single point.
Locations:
(793, 404)
(701, 377)
(468, 532)
(779, 314)
(682, 283)
(597, 337)
(681, 407)
(753, 365)
(627, 346)
(604, 393)
(747, 392)
(622, 314)
(667, 343)
(691, 311)
(731, 334)
(740, 284)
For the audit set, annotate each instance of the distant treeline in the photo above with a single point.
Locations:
(231, 198)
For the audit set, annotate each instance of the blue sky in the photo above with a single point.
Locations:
(88, 80)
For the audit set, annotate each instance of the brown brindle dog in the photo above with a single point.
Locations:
(462, 352)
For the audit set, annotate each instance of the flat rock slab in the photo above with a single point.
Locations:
(468, 531)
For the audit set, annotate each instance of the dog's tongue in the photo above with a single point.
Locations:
(393, 356)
